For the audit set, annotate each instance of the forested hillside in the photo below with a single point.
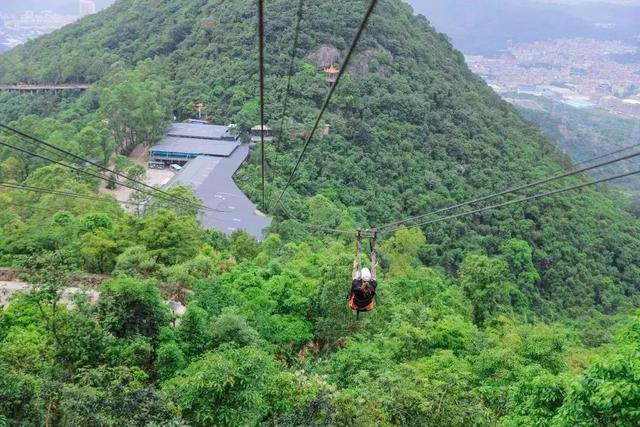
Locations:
(587, 133)
(518, 316)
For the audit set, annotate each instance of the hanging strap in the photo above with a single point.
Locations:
(373, 243)
(357, 263)
(359, 257)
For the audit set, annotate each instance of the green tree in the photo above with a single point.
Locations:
(402, 250)
(136, 172)
(536, 399)
(129, 307)
(137, 109)
(111, 397)
(608, 392)
(112, 183)
(437, 391)
(99, 251)
(180, 199)
(136, 261)
(523, 274)
(230, 328)
(96, 143)
(484, 281)
(95, 221)
(170, 359)
(195, 331)
(243, 246)
(228, 387)
(170, 238)
(19, 403)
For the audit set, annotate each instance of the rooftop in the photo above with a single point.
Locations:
(258, 127)
(196, 172)
(201, 131)
(205, 147)
(211, 179)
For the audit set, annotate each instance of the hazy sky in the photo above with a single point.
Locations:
(625, 2)
(60, 6)
(71, 6)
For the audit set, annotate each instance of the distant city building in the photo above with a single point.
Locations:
(581, 73)
(17, 29)
(87, 7)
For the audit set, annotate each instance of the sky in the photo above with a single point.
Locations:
(623, 2)
(415, 3)
(60, 6)
(71, 6)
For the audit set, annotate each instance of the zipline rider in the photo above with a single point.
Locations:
(362, 296)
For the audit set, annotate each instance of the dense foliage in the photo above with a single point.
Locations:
(523, 316)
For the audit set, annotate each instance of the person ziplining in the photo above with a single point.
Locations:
(362, 296)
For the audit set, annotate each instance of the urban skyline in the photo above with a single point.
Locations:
(581, 73)
(16, 29)
(87, 7)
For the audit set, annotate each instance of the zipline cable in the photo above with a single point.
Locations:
(511, 190)
(313, 226)
(345, 64)
(287, 94)
(30, 153)
(261, 66)
(21, 205)
(393, 229)
(522, 200)
(44, 149)
(604, 156)
(63, 193)
(105, 169)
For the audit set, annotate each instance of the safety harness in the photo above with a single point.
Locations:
(353, 301)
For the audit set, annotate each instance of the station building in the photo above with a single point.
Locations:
(186, 141)
(210, 155)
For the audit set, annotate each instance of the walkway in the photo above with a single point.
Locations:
(37, 88)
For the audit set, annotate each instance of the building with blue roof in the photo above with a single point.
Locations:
(211, 155)
(186, 141)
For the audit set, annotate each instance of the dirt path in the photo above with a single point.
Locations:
(140, 154)
(8, 289)
(154, 177)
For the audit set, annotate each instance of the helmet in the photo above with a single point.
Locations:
(365, 274)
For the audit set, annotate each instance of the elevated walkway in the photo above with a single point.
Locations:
(39, 88)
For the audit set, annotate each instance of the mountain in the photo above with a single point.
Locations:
(487, 27)
(522, 315)
(411, 105)
(412, 125)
